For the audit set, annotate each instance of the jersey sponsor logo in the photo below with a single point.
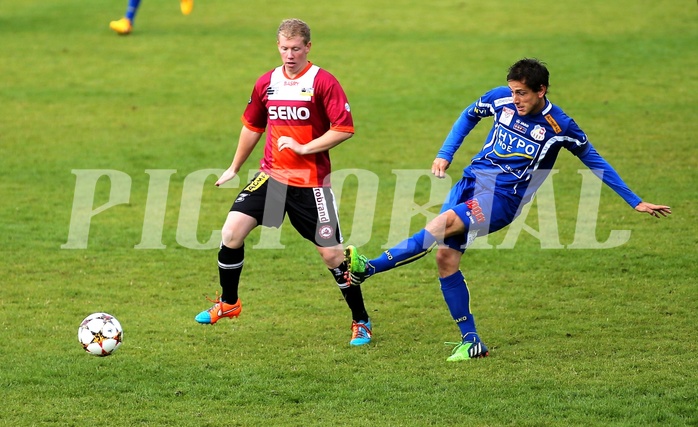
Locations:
(509, 144)
(321, 205)
(291, 83)
(506, 116)
(551, 121)
(538, 133)
(347, 107)
(285, 112)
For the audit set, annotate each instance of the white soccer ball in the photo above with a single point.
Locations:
(100, 334)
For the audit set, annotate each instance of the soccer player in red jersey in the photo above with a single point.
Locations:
(304, 112)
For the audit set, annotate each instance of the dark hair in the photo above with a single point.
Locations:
(531, 72)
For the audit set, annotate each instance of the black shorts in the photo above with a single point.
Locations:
(312, 211)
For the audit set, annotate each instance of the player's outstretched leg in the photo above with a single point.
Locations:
(186, 6)
(219, 310)
(356, 266)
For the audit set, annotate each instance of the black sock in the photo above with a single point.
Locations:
(352, 294)
(230, 262)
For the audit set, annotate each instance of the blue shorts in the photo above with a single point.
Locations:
(481, 209)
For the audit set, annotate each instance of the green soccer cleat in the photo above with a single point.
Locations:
(467, 350)
(356, 266)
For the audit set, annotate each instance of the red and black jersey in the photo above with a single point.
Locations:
(303, 108)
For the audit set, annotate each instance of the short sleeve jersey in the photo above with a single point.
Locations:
(519, 150)
(303, 108)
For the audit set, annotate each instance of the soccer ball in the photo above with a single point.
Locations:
(100, 334)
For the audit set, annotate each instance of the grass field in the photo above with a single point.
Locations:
(578, 337)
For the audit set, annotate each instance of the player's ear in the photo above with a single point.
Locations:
(542, 91)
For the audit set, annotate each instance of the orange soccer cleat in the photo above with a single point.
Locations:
(219, 310)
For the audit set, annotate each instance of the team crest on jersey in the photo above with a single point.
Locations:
(506, 116)
(538, 133)
(307, 91)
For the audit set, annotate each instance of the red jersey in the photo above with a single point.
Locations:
(303, 108)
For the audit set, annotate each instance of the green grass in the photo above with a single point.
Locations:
(577, 337)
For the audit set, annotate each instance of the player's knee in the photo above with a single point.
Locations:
(332, 256)
(448, 260)
(445, 225)
(228, 239)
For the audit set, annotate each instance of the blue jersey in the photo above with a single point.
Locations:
(520, 151)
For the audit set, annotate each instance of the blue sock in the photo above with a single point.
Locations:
(457, 297)
(408, 250)
(132, 9)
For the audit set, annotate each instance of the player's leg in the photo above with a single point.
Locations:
(486, 212)
(405, 252)
(313, 213)
(245, 214)
(125, 25)
(417, 246)
(361, 327)
(457, 296)
(231, 259)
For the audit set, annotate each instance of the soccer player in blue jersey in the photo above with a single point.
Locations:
(124, 25)
(527, 134)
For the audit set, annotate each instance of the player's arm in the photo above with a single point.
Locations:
(328, 140)
(601, 168)
(466, 122)
(246, 143)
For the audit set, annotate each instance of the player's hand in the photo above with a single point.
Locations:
(227, 176)
(654, 210)
(287, 142)
(438, 168)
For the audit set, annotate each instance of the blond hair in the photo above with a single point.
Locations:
(291, 28)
